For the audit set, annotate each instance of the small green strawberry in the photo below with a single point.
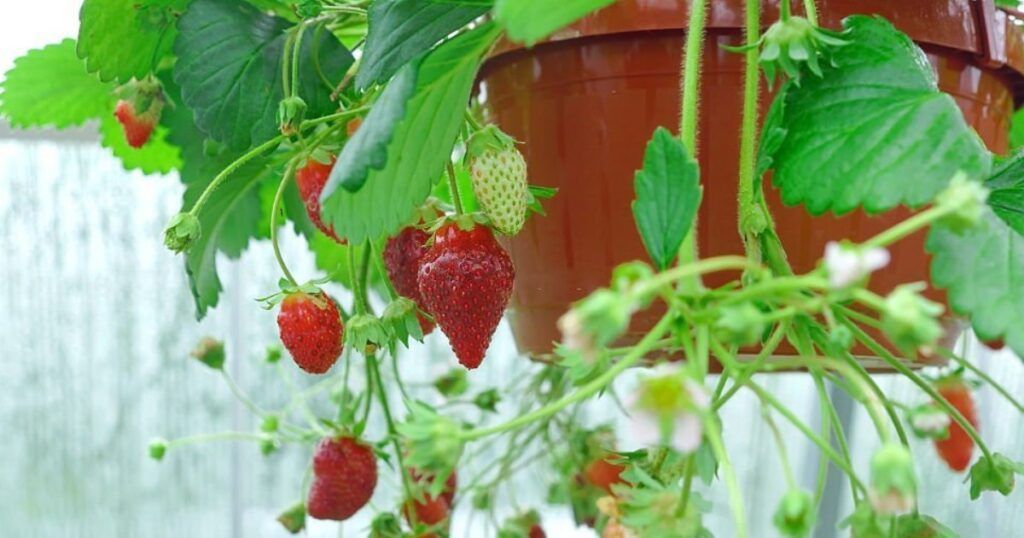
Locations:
(498, 172)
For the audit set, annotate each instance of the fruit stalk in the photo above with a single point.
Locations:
(274, 211)
(453, 186)
(382, 396)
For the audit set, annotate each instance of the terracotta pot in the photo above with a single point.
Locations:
(586, 102)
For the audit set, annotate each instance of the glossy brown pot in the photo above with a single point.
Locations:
(585, 103)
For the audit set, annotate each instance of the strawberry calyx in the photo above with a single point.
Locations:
(286, 288)
(367, 333)
(488, 138)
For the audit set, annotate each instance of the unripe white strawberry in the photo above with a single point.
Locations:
(498, 172)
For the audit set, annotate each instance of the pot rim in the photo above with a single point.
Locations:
(988, 35)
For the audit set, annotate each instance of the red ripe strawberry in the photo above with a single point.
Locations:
(956, 449)
(311, 179)
(995, 345)
(537, 532)
(311, 330)
(432, 510)
(402, 256)
(344, 476)
(604, 474)
(448, 493)
(466, 280)
(137, 127)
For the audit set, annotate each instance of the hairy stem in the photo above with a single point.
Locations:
(274, 211)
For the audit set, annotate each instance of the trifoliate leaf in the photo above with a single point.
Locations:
(873, 130)
(402, 30)
(50, 87)
(668, 193)
(529, 21)
(229, 70)
(125, 39)
(420, 145)
(982, 268)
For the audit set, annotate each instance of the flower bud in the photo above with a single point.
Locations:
(182, 231)
(157, 448)
(741, 325)
(909, 320)
(795, 515)
(965, 201)
(893, 484)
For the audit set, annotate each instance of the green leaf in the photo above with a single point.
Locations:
(229, 70)
(156, 157)
(125, 39)
(50, 87)
(229, 219)
(668, 193)
(995, 473)
(874, 131)
(232, 215)
(402, 30)
(368, 148)
(529, 21)
(982, 268)
(420, 145)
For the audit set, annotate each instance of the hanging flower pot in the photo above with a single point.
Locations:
(585, 102)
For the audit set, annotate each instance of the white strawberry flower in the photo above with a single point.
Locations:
(847, 264)
(666, 410)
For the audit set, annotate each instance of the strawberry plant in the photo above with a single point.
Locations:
(361, 123)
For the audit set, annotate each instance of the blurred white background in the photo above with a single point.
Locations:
(96, 322)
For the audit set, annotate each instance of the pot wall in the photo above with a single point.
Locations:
(585, 107)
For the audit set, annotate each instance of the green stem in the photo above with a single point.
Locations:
(266, 146)
(353, 275)
(296, 50)
(285, 64)
(392, 433)
(688, 473)
(714, 436)
(231, 168)
(679, 272)
(824, 402)
(780, 446)
(689, 113)
(453, 186)
(898, 365)
(240, 395)
(642, 348)
(872, 403)
(289, 171)
(812, 12)
(749, 209)
(769, 347)
(825, 447)
(907, 227)
(219, 436)
(692, 57)
(378, 263)
(784, 10)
